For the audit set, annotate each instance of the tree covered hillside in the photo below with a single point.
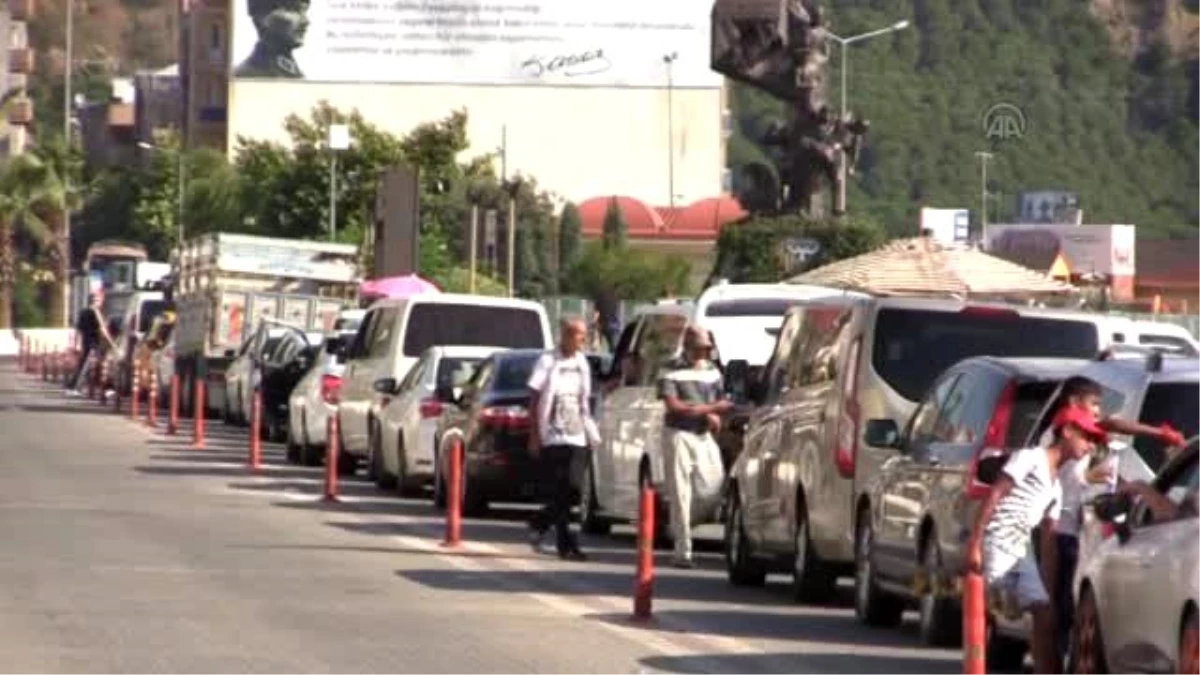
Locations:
(1109, 97)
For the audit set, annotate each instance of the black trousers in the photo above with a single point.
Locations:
(560, 475)
(85, 353)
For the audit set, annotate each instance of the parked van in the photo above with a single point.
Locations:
(396, 331)
(801, 485)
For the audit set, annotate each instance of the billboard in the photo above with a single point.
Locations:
(615, 43)
(947, 226)
(1099, 249)
(1048, 206)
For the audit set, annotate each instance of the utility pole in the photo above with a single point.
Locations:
(474, 241)
(984, 158)
(68, 66)
(669, 59)
(511, 189)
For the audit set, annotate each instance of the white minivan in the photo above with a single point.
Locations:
(396, 331)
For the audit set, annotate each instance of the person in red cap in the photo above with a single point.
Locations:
(1061, 557)
(1028, 494)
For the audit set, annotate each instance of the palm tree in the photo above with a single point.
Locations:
(62, 190)
(28, 187)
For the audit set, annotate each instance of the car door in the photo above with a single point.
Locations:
(902, 491)
(1146, 571)
(357, 379)
(614, 407)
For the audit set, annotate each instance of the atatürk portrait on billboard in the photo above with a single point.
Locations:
(281, 25)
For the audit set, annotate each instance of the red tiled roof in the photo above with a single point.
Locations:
(698, 221)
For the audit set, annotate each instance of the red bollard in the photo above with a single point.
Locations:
(173, 409)
(198, 412)
(974, 625)
(134, 395)
(256, 431)
(152, 402)
(331, 459)
(643, 587)
(454, 498)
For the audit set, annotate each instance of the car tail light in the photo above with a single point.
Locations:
(504, 417)
(1107, 530)
(995, 441)
(847, 429)
(431, 407)
(331, 389)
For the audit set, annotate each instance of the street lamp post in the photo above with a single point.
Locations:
(984, 158)
(69, 49)
(843, 43)
(339, 139)
(669, 60)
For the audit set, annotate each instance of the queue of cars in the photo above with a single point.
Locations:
(854, 449)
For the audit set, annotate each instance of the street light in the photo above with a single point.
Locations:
(669, 60)
(339, 139)
(179, 178)
(844, 43)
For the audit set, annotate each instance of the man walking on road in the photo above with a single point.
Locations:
(91, 329)
(562, 431)
(694, 394)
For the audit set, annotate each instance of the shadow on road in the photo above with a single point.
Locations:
(405, 550)
(66, 409)
(585, 582)
(786, 663)
(220, 471)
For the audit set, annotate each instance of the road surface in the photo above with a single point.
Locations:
(126, 550)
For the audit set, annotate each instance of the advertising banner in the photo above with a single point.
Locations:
(947, 226)
(1088, 249)
(615, 43)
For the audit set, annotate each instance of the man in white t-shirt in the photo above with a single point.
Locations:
(1027, 494)
(562, 431)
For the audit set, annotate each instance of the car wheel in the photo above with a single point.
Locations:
(740, 565)
(1004, 654)
(1087, 652)
(1189, 645)
(872, 605)
(592, 521)
(383, 480)
(811, 580)
(404, 484)
(940, 619)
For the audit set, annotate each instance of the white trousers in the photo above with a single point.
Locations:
(695, 473)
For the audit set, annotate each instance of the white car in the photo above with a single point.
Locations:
(314, 400)
(239, 376)
(1136, 595)
(401, 443)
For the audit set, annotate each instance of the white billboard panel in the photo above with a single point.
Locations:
(1098, 249)
(614, 43)
(948, 226)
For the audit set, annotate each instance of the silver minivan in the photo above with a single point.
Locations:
(799, 489)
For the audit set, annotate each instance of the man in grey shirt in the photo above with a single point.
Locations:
(694, 394)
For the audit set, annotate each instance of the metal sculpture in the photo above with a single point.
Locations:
(781, 47)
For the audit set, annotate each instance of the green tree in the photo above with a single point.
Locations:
(755, 249)
(629, 272)
(615, 231)
(570, 238)
(28, 187)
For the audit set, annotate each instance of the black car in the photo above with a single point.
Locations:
(493, 415)
(283, 365)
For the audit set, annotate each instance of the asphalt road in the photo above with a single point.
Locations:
(125, 550)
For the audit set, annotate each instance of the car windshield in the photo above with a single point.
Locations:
(745, 328)
(912, 347)
(455, 371)
(512, 373)
(442, 323)
(1173, 403)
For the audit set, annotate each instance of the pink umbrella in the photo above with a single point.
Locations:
(397, 287)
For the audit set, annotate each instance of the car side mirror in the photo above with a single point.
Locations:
(882, 433)
(385, 385)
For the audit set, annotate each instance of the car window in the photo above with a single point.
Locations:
(814, 358)
(1171, 343)
(1173, 403)
(968, 410)
(362, 336)
(924, 422)
(1030, 401)
(512, 372)
(912, 346)
(1179, 483)
(483, 376)
(659, 341)
(414, 374)
(381, 336)
(455, 371)
(443, 323)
